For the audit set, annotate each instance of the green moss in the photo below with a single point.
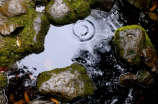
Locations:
(3, 80)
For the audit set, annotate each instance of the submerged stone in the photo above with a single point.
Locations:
(3, 80)
(10, 52)
(66, 11)
(14, 7)
(41, 101)
(130, 40)
(140, 4)
(3, 99)
(128, 79)
(65, 83)
(145, 79)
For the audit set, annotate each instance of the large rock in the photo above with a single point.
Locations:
(3, 80)
(145, 79)
(128, 79)
(31, 37)
(2, 2)
(68, 11)
(140, 4)
(130, 40)
(65, 83)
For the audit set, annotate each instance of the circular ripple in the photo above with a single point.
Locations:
(84, 30)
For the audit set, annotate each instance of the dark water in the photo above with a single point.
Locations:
(89, 42)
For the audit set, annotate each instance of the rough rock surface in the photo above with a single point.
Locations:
(2, 2)
(140, 4)
(41, 101)
(31, 37)
(149, 57)
(65, 83)
(64, 12)
(145, 79)
(130, 40)
(14, 7)
(3, 80)
(3, 99)
(128, 79)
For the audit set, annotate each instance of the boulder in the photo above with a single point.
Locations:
(31, 37)
(63, 12)
(2, 2)
(129, 41)
(65, 84)
(3, 80)
(128, 79)
(145, 79)
(140, 4)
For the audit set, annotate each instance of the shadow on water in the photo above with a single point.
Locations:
(88, 42)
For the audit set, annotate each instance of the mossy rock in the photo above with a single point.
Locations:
(3, 80)
(75, 80)
(140, 4)
(129, 41)
(10, 52)
(70, 11)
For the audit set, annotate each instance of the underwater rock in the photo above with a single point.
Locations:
(14, 7)
(149, 57)
(145, 79)
(10, 52)
(65, 83)
(128, 79)
(3, 80)
(63, 12)
(3, 99)
(41, 101)
(140, 4)
(130, 40)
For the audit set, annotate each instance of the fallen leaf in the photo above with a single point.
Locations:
(55, 100)
(20, 102)
(26, 97)
(18, 42)
(153, 8)
(153, 16)
(12, 98)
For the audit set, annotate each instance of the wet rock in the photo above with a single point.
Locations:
(3, 80)
(2, 2)
(64, 12)
(41, 101)
(14, 7)
(145, 79)
(149, 57)
(130, 40)
(3, 99)
(32, 41)
(128, 79)
(140, 4)
(65, 83)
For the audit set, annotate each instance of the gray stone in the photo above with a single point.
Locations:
(41, 101)
(3, 99)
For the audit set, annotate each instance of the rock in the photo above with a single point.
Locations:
(2, 2)
(14, 7)
(31, 37)
(3, 99)
(149, 56)
(12, 69)
(128, 79)
(140, 4)
(63, 12)
(41, 101)
(130, 40)
(3, 80)
(145, 79)
(65, 83)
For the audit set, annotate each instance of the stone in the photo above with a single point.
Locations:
(31, 37)
(3, 80)
(140, 4)
(128, 79)
(2, 2)
(63, 12)
(14, 7)
(41, 101)
(149, 56)
(3, 99)
(65, 83)
(129, 41)
(145, 79)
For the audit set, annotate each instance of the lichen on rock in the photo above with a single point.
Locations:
(3, 80)
(65, 83)
(129, 41)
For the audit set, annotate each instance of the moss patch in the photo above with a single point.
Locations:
(3, 80)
